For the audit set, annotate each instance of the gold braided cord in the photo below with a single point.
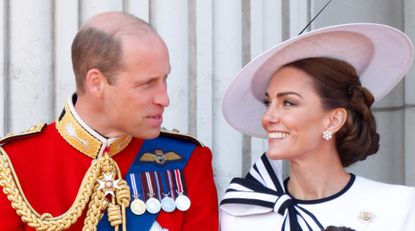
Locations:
(88, 192)
(114, 214)
(95, 207)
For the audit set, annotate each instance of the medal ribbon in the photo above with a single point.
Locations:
(157, 185)
(179, 184)
(170, 178)
(134, 186)
(149, 184)
(164, 186)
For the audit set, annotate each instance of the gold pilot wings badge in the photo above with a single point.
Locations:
(159, 157)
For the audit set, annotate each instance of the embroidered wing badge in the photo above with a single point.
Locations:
(159, 157)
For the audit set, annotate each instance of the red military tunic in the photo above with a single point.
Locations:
(50, 168)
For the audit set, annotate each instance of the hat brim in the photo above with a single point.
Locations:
(381, 55)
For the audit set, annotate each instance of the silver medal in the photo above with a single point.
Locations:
(153, 205)
(182, 202)
(138, 207)
(168, 204)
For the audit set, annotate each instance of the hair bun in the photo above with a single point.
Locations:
(360, 95)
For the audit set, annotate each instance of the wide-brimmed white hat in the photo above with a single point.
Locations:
(381, 55)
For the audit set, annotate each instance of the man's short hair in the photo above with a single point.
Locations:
(93, 48)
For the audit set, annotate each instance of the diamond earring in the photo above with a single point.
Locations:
(327, 135)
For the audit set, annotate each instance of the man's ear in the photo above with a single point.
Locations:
(95, 81)
(336, 119)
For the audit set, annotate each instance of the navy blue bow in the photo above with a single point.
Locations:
(262, 190)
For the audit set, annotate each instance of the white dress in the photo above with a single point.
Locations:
(363, 205)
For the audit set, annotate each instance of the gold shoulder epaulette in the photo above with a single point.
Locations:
(176, 134)
(33, 130)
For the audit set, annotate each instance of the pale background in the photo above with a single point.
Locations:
(209, 42)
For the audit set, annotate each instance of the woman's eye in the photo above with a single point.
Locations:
(288, 103)
(266, 102)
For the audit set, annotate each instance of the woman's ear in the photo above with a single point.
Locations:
(337, 118)
(94, 82)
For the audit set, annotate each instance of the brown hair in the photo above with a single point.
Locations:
(99, 44)
(337, 84)
(93, 48)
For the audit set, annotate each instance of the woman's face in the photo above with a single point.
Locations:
(294, 120)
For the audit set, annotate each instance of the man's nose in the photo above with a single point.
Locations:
(162, 97)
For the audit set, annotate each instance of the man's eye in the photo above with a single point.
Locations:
(148, 83)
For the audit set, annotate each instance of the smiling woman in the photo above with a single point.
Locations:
(294, 113)
(316, 92)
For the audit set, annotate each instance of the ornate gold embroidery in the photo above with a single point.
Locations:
(77, 136)
(119, 144)
(33, 130)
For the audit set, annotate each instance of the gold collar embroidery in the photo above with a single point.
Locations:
(80, 137)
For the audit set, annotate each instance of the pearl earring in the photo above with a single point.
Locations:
(327, 135)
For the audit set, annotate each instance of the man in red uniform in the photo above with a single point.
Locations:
(103, 164)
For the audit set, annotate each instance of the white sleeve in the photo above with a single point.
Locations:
(227, 222)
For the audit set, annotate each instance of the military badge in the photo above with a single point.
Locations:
(159, 157)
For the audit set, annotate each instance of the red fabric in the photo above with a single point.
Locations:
(50, 172)
(203, 212)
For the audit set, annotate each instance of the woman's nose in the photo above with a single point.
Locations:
(271, 115)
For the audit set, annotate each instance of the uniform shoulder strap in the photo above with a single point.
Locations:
(30, 132)
(176, 134)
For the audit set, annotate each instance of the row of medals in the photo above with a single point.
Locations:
(153, 205)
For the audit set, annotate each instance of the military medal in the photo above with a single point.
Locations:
(152, 204)
(168, 204)
(182, 201)
(138, 207)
